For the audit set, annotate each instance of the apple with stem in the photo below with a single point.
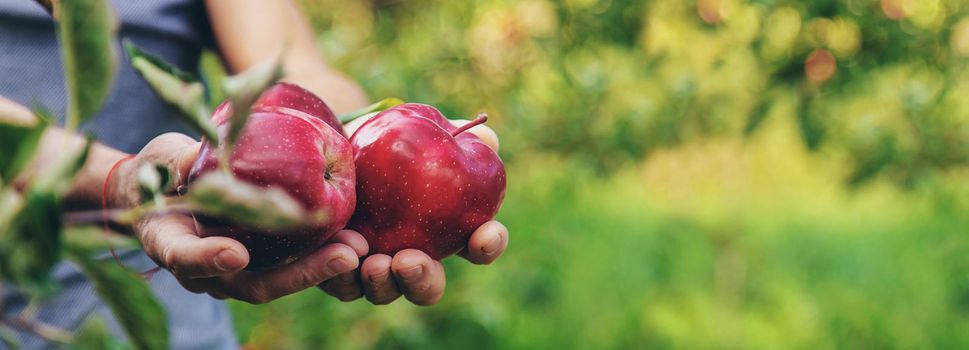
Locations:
(298, 152)
(422, 182)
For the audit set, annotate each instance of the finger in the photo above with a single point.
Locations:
(346, 286)
(483, 132)
(378, 283)
(175, 151)
(171, 241)
(16, 112)
(197, 285)
(352, 239)
(182, 164)
(486, 243)
(323, 264)
(421, 279)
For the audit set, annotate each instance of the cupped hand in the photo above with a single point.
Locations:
(412, 273)
(214, 265)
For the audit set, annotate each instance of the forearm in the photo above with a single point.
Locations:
(340, 92)
(85, 192)
(249, 32)
(86, 189)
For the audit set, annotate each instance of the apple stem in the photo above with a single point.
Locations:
(480, 119)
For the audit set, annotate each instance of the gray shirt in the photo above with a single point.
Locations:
(30, 73)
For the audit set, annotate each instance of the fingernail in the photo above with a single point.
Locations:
(492, 246)
(411, 273)
(339, 265)
(226, 260)
(380, 277)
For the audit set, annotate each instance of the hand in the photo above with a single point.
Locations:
(214, 265)
(412, 273)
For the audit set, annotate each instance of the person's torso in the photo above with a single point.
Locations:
(30, 73)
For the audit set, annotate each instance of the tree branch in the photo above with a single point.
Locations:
(40, 329)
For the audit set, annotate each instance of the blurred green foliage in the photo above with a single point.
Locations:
(686, 174)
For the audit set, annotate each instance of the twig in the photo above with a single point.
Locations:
(97, 216)
(90, 216)
(30, 311)
(40, 329)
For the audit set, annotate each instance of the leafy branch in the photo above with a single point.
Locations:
(33, 237)
(38, 328)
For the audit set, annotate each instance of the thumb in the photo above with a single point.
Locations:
(175, 151)
(183, 162)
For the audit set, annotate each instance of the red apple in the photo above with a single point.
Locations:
(423, 183)
(297, 153)
(289, 98)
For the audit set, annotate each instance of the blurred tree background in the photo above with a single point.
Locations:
(682, 174)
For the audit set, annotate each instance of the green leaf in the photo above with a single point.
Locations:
(376, 107)
(94, 335)
(153, 179)
(58, 179)
(134, 51)
(222, 196)
(213, 71)
(94, 238)
(148, 178)
(11, 203)
(758, 115)
(43, 114)
(19, 143)
(31, 224)
(174, 87)
(9, 338)
(32, 244)
(128, 296)
(810, 122)
(86, 29)
(243, 90)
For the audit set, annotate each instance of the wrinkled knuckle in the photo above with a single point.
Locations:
(374, 272)
(374, 285)
(150, 249)
(169, 259)
(145, 230)
(306, 278)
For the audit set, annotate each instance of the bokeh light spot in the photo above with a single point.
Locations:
(820, 66)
